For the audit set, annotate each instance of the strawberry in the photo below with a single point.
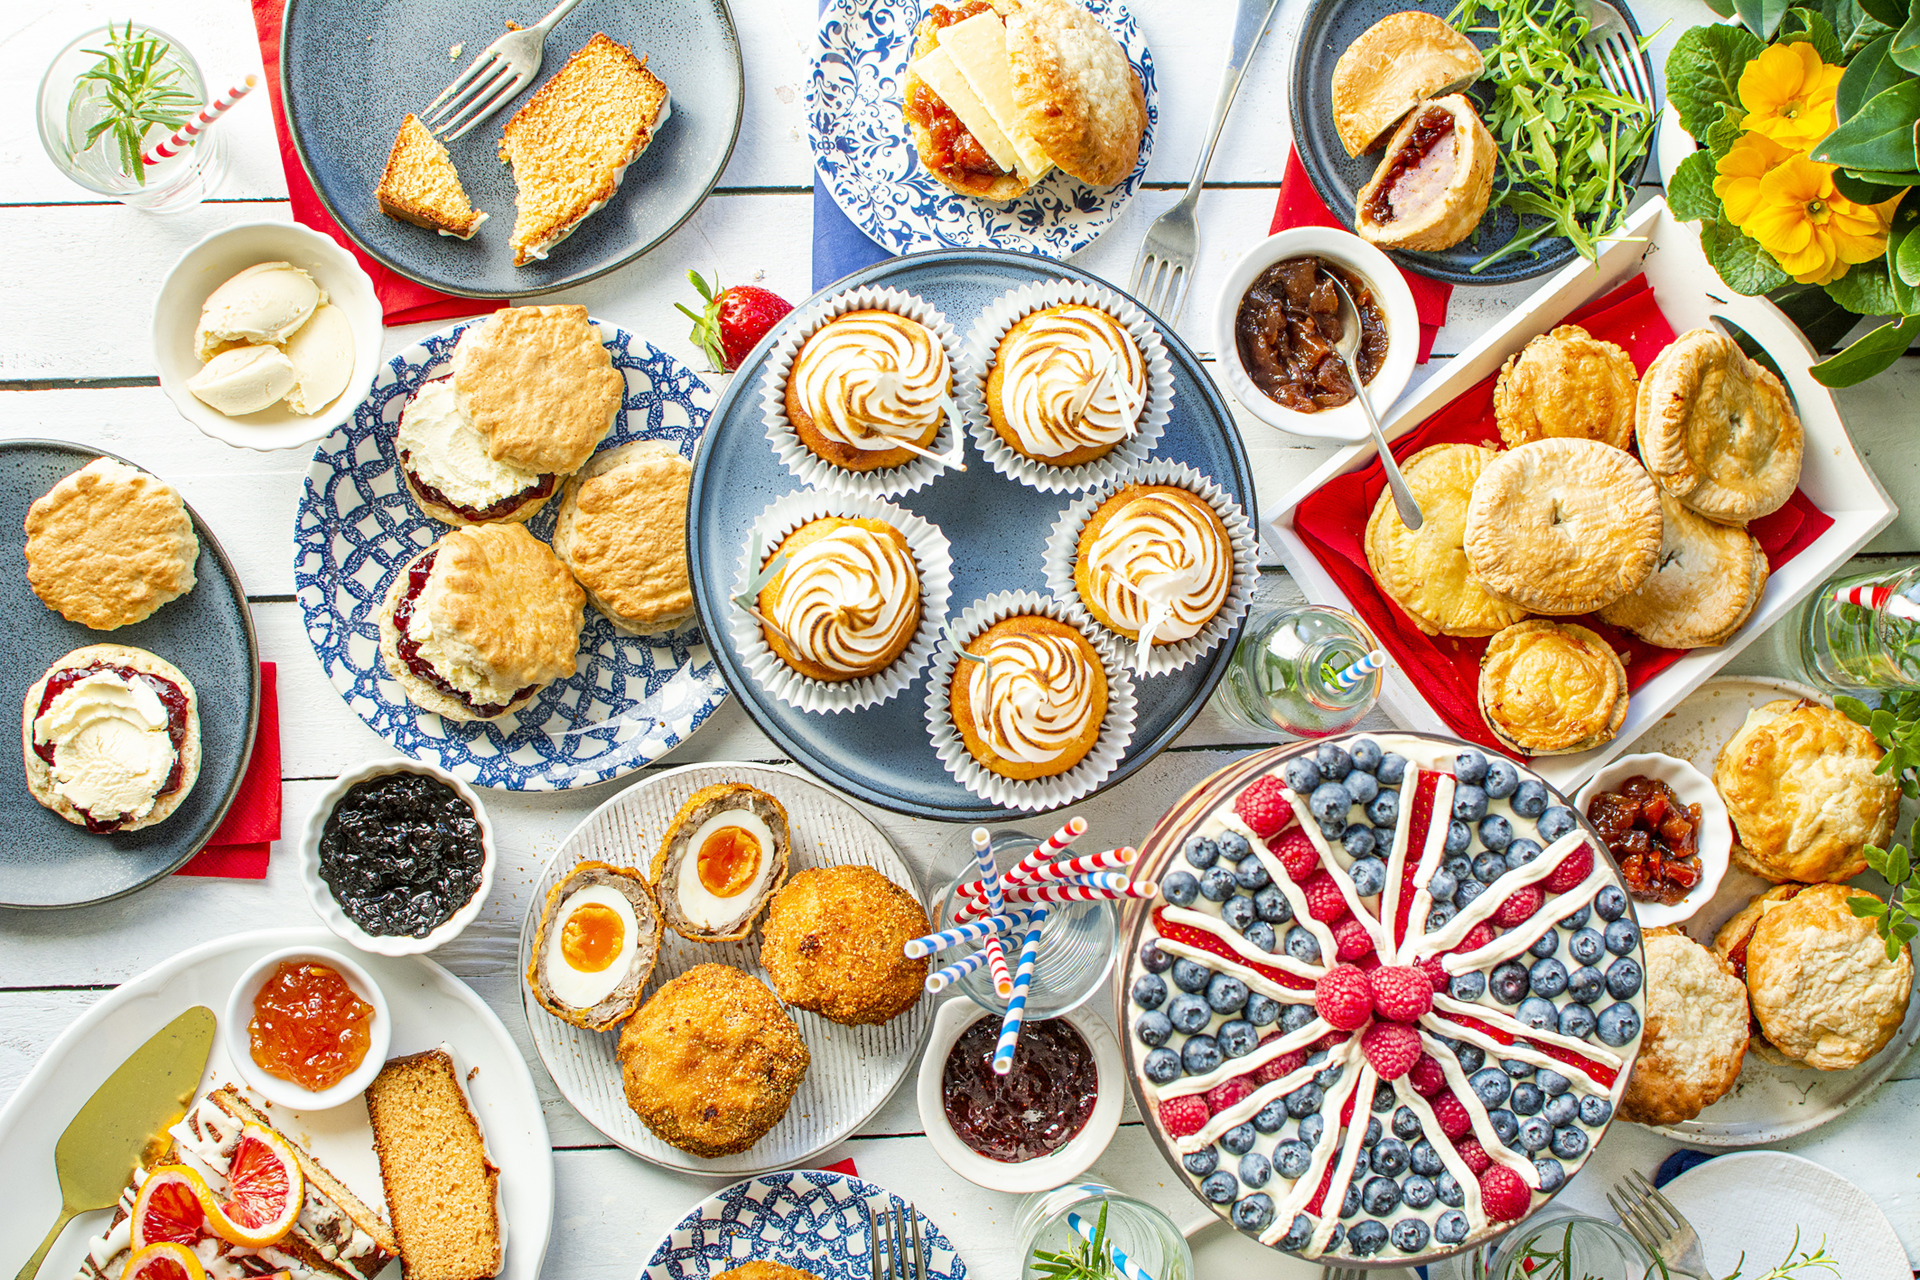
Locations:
(1503, 1195)
(733, 320)
(1263, 806)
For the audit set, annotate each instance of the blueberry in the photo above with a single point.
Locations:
(1238, 913)
(1501, 779)
(1220, 1187)
(1569, 1142)
(1295, 1016)
(1302, 946)
(1586, 946)
(1509, 982)
(1200, 1054)
(1271, 1118)
(1203, 1162)
(1150, 991)
(1329, 800)
(1470, 985)
(1180, 888)
(1521, 852)
(1610, 903)
(1373, 1134)
(1350, 1203)
(1384, 810)
(1530, 798)
(1406, 1125)
(1470, 767)
(1251, 875)
(1362, 786)
(1369, 876)
(1369, 1237)
(1416, 1192)
(1327, 1075)
(1563, 1110)
(1254, 1169)
(1504, 1124)
(1380, 1195)
(1217, 884)
(1292, 1158)
(1233, 846)
(1556, 822)
(1153, 959)
(1553, 1174)
(1466, 893)
(1595, 1110)
(1331, 828)
(1202, 852)
(1442, 884)
(1299, 1233)
(1272, 906)
(1162, 1066)
(1450, 1227)
(1548, 978)
(1538, 1014)
(1516, 1068)
(1189, 975)
(1357, 840)
(1469, 803)
(1237, 1038)
(1623, 979)
(1261, 935)
(1527, 1099)
(1189, 1013)
(1447, 1187)
(1305, 1100)
(1618, 1024)
(1576, 1020)
(1535, 1133)
(1153, 1028)
(1423, 1159)
(1546, 944)
(1441, 913)
(1459, 837)
(1384, 1097)
(1497, 834)
(1578, 920)
(1471, 1057)
(1262, 1011)
(1390, 1157)
(1302, 775)
(1622, 937)
(1491, 1086)
(1254, 1212)
(1311, 1127)
(1237, 1140)
(1393, 768)
(1459, 867)
(1334, 762)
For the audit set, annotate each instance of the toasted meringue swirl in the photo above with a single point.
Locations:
(1039, 701)
(872, 378)
(1158, 550)
(848, 598)
(1073, 379)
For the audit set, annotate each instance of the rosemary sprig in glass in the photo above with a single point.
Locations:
(139, 93)
(1536, 1263)
(1084, 1261)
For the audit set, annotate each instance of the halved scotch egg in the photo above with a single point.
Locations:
(599, 937)
(723, 856)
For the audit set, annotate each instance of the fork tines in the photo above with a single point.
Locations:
(1160, 284)
(1620, 67)
(476, 93)
(896, 1250)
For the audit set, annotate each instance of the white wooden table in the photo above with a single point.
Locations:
(77, 278)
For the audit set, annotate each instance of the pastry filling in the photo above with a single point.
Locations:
(410, 644)
(1159, 569)
(111, 738)
(1418, 173)
(953, 150)
(447, 460)
(1072, 379)
(1287, 327)
(848, 599)
(1033, 698)
(1653, 837)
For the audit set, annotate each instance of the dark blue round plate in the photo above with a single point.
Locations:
(207, 633)
(350, 71)
(997, 527)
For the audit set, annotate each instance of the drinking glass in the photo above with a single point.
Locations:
(1561, 1244)
(1146, 1235)
(1280, 679)
(1848, 647)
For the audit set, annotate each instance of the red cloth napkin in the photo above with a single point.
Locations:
(404, 301)
(1332, 522)
(239, 849)
(846, 1167)
(1300, 206)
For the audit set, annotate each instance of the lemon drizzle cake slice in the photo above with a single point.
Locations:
(421, 186)
(442, 1188)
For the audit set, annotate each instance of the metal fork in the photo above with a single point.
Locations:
(1164, 268)
(896, 1254)
(1618, 51)
(1657, 1226)
(496, 73)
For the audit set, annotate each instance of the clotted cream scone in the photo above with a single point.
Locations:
(1426, 572)
(1706, 580)
(1154, 557)
(111, 738)
(1718, 431)
(866, 382)
(1034, 709)
(1552, 688)
(1068, 385)
(847, 602)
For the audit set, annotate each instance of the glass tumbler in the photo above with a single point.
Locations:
(1848, 647)
(1147, 1236)
(1281, 678)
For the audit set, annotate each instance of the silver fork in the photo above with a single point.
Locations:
(1618, 51)
(1164, 268)
(896, 1254)
(496, 73)
(1656, 1225)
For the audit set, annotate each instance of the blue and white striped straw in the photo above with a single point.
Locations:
(1108, 881)
(940, 979)
(1017, 1003)
(990, 879)
(1122, 1263)
(972, 931)
(1360, 670)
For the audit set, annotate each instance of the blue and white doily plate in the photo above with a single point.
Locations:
(812, 1220)
(863, 152)
(630, 700)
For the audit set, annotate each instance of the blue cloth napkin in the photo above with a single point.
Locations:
(839, 247)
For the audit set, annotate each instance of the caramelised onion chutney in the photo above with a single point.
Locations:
(1033, 1110)
(1287, 328)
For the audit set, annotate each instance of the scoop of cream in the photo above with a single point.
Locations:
(321, 351)
(267, 302)
(111, 749)
(244, 380)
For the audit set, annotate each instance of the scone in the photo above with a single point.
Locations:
(539, 386)
(622, 531)
(1395, 64)
(1718, 431)
(1154, 557)
(864, 385)
(1426, 572)
(1068, 385)
(477, 624)
(832, 945)
(110, 737)
(1036, 711)
(1552, 688)
(1563, 526)
(1567, 383)
(1822, 988)
(446, 467)
(758, 1270)
(847, 602)
(1434, 179)
(1696, 1032)
(1731, 944)
(108, 545)
(1706, 581)
(1798, 781)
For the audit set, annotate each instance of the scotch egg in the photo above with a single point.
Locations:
(723, 856)
(598, 939)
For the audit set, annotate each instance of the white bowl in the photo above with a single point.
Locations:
(239, 1043)
(1045, 1172)
(1348, 422)
(1716, 833)
(322, 898)
(217, 259)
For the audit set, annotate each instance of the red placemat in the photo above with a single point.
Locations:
(1332, 521)
(239, 849)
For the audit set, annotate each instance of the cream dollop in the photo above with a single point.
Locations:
(1159, 561)
(111, 749)
(1036, 698)
(444, 449)
(871, 379)
(1072, 379)
(848, 598)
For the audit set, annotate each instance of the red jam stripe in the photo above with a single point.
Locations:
(1602, 1075)
(1419, 822)
(1201, 940)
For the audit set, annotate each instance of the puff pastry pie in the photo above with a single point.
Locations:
(1397, 63)
(1705, 583)
(1426, 573)
(1730, 944)
(539, 386)
(1822, 988)
(1567, 383)
(108, 545)
(622, 531)
(1696, 1032)
(1552, 688)
(1718, 431)
(1563, 526)
(1433, 183)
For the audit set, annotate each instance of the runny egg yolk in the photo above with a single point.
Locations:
(592, 936)
(729, 860)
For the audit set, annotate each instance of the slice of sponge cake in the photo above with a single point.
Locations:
(572, 142)
(420, 185)
(442, 1191)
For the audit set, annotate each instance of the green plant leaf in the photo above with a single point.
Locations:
(1864, 907)
(1871, 354)
(1905, 256)
(1870, 73)
(1743, 265)
(1690, 194)
(1722, 7)
(1891, 12)
(1824, 321)
(1866, 291)
(1879, 135)
(1902, 178)
(1906, 41)
(1724, 132)
(1703, 72)
(1852, 708)
(1859, 190)
(1812, 27)
(1761, 16)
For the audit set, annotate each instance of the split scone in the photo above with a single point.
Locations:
(1822, 989)
(832, 945)
(1395, 65)
(622, 530)
(421, 186)
(1718, 431)
(1434, 180)
(722, 858)
(1034, 709)
(1552, 688)
(1567, 383)
(477, 624)
(108, 545)
(598, 939)
(1426, 572)
(110, 736)
(1696, 1032)
(846, 603)
(1706, 581)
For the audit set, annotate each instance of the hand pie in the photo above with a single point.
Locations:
(1731, 943)
(1717, 431)
(1696, 1032)
(539, 386)
(622, 530)
(1395, 64)
(1433, 183)
(1563, 526)
(1552, 688)
(1566, 383)
(1426, 573)
(1705, 583)
(108, 545)
(1822, 988)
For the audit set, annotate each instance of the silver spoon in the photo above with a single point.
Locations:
(1348, 346)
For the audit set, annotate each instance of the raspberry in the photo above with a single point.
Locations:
(1392, 1048)
(1574, 868)
(1451, 1114)
(1342, 999)
(1324, 900)
(1477, 937)
(1426, 1077)
(1368, 962)
(1284, 1065)
(1234, 1091)
(1352, 939)
(1503, 1195)
(1519, 907)
(1400, 992)
(1473, 1155)
(1329, 1042)
(1436, 972)
(1183, 1116)
(1297, 854)
(1263, 806)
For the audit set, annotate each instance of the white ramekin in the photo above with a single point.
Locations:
(239, 1044)
(1716, 832)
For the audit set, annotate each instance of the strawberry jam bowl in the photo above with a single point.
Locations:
(1387, 1001)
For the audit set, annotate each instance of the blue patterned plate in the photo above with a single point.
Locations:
(632, 699)
(861, 147)
(812, 1220)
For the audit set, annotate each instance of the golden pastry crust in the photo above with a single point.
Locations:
(1717, 430)
(108, 545)
(926, 38)
(1799, 783)
(771, 595)
(1567, 383)
(1552, 688)
(1730, 942)
(1821, 985)
(1091, 667)
(539, 385)
(832, 945)
(1432, 219)
(1696, 1032)
(1563, 526)
(1080, 99)
(712, 1061)
(1426, 573)
(1705, 582)
(838, 453)
(765, 1271)
(622, 530)
(1194, 513)
(1395, 64)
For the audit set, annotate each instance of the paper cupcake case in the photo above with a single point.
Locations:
(933, 559)
(983, 341)
(1063, 550)
(814, 470)
(1036, 794)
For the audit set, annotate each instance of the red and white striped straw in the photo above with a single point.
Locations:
(1882, 598)
(976, 908)
(1087, 863)
(1047, 851)
(187, 132)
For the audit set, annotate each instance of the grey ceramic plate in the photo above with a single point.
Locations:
(207, 633)
(997, 527)
(351, 70)
(1330, 26)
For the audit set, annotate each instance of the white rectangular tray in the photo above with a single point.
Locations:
(1687, 291)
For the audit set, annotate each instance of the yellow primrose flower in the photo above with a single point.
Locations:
(1812, 231)
(1788, 94)
(1740, 170)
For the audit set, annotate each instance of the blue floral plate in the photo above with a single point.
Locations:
(812, 1220)
(632, 698)
(861, 147)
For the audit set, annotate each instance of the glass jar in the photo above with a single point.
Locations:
(1566, 1245)
(1147, 1236)
(1281, 677)
(1850, 647)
